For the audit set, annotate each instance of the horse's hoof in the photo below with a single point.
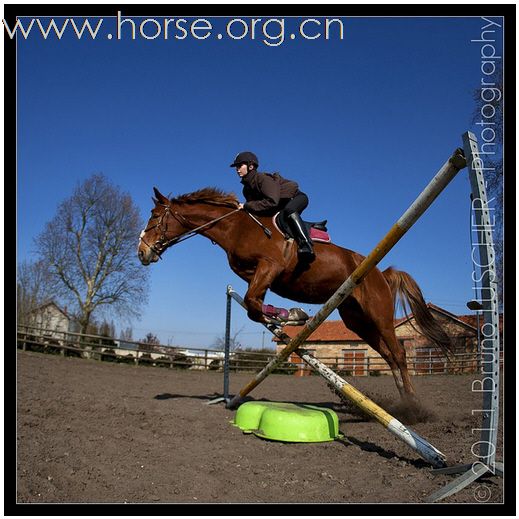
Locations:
(297, 314)
(412, 404)
(273, 322)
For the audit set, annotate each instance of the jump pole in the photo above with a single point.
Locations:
(427, 451)
(447, 172)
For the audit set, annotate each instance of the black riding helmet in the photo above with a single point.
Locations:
(246, 157)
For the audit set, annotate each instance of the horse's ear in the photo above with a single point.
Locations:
(160, 197)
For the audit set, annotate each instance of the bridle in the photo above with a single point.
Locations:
(163, 242)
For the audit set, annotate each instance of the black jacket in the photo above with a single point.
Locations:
(267, 192)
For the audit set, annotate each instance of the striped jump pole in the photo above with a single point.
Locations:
(447, 172)
(427, 451)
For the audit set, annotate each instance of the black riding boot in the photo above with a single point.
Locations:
(305, 249)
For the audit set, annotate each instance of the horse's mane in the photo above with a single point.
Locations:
(208, 195)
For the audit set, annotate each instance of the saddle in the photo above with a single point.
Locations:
(316, 230)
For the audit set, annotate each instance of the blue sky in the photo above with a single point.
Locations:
(362, 124)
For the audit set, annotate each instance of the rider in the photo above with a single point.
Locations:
(267, 193)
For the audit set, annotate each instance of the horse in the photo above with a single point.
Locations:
(260, 255)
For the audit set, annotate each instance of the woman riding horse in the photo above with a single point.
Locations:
(272, 263)
(267, 193)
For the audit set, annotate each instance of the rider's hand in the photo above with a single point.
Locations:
(240, 206)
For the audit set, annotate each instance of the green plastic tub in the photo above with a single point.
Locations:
(288, 422)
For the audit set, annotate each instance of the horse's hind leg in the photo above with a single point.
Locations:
(397, 350)
(381, 341)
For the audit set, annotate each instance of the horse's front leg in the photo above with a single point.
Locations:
(265, 274)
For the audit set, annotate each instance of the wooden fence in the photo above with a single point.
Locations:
(433, 364)
(113, 350)
(139, 353)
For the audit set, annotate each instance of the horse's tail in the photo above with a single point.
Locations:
(406, 291)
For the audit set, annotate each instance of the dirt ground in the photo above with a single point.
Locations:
(94, 432)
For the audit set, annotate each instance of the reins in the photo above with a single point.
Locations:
(189, 234)
(162, 243)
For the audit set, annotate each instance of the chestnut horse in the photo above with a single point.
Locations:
(271, 262)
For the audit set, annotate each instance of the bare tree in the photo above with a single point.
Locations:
(234, 343)
(149, 343)
(90, 247)
(33, 287)
(126, 334)
(107, 329)
(150, 338)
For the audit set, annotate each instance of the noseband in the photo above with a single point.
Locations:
(163, 242)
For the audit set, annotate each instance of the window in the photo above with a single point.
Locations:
(355, 362)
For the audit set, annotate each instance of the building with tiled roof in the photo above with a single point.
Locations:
(346, 353)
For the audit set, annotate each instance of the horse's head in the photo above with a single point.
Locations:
(156, 237)
(167, 226)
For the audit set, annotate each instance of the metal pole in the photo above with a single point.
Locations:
(227, 346)
(490, 345)
(479, 343)
(447, 172)
(488, 291)
(225, 397)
